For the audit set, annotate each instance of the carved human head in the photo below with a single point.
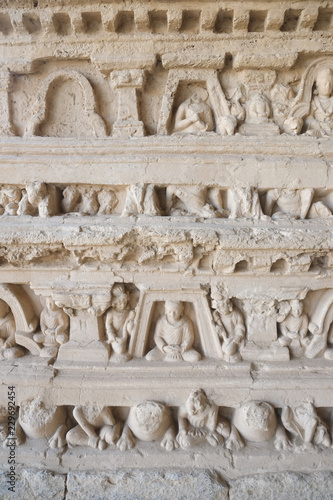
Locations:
(174, 310)
(119, 297)
(36, 192)
(324, 82)
(200, 94)
(197, 402)
(4, 308)
(50, 304)
(296, 307)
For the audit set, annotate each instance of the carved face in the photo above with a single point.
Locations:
(324, 82)
(224, 306)
(197, 402)
(50, 304)
(296, 307)
(173, 311)
(4, 308)
(120, 302)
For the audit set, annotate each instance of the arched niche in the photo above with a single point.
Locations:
(210, 345)
(88, 109)
(207, 77)
(21, 307)
(301, 105)
(322, 315)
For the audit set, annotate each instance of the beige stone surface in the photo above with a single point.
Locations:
(32, 484)
(166, 213)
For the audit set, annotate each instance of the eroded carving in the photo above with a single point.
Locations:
(149, 421)
(39, 199)
(229, 324)
(8, 346)
(54, 325)
(36, 420)
(294, 328)
(194, 116)
(96, 427)
(88, 200)
(304, 424)
(199, 421)
(119, 323)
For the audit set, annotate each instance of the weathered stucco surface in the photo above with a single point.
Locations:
(166, 262)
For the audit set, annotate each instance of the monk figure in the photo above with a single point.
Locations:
(8, 347)
(54, 324)
(194, 116)
(174, 336)
(320, 120)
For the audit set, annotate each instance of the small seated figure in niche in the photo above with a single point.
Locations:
(229, 324)
(303, 422)
(54, 325)
(119, 323)
(96, 427)
(319, 123)
(294, 329)
(8, 346)
(194, 116)
(174, 336)
(258, 120)
(199, 421)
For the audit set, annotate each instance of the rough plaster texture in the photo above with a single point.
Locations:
(166, 199)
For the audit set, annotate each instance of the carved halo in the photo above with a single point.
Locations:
(39, 115)
(20, 305)
(301, 104)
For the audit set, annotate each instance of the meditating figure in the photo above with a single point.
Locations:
(8, 347)
(320, 120)
(174, 336)
(54, 324)
(194, 115)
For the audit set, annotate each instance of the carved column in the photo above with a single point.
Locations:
(6, 128)
(127, 83)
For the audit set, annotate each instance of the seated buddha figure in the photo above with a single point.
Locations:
(174, 336)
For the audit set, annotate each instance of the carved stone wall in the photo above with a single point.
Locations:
(166, 259)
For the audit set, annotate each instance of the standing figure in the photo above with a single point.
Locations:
(119, 323)
(54, 324)
(174, 336)
(230, 327)
(194, 116)
(294, 329)
(320, 120)
(8, 346)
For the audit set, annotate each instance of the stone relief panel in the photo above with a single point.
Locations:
(206, 202)
(196, 423)
(194, 97)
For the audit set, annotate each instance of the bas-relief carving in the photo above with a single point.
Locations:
(149, 421)
(173, 336)
(96, 427)
(40, 199)
(8, 346)
(229, 324)
(54, 325)
(119, 323)
(95, 124)
(199, 421)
